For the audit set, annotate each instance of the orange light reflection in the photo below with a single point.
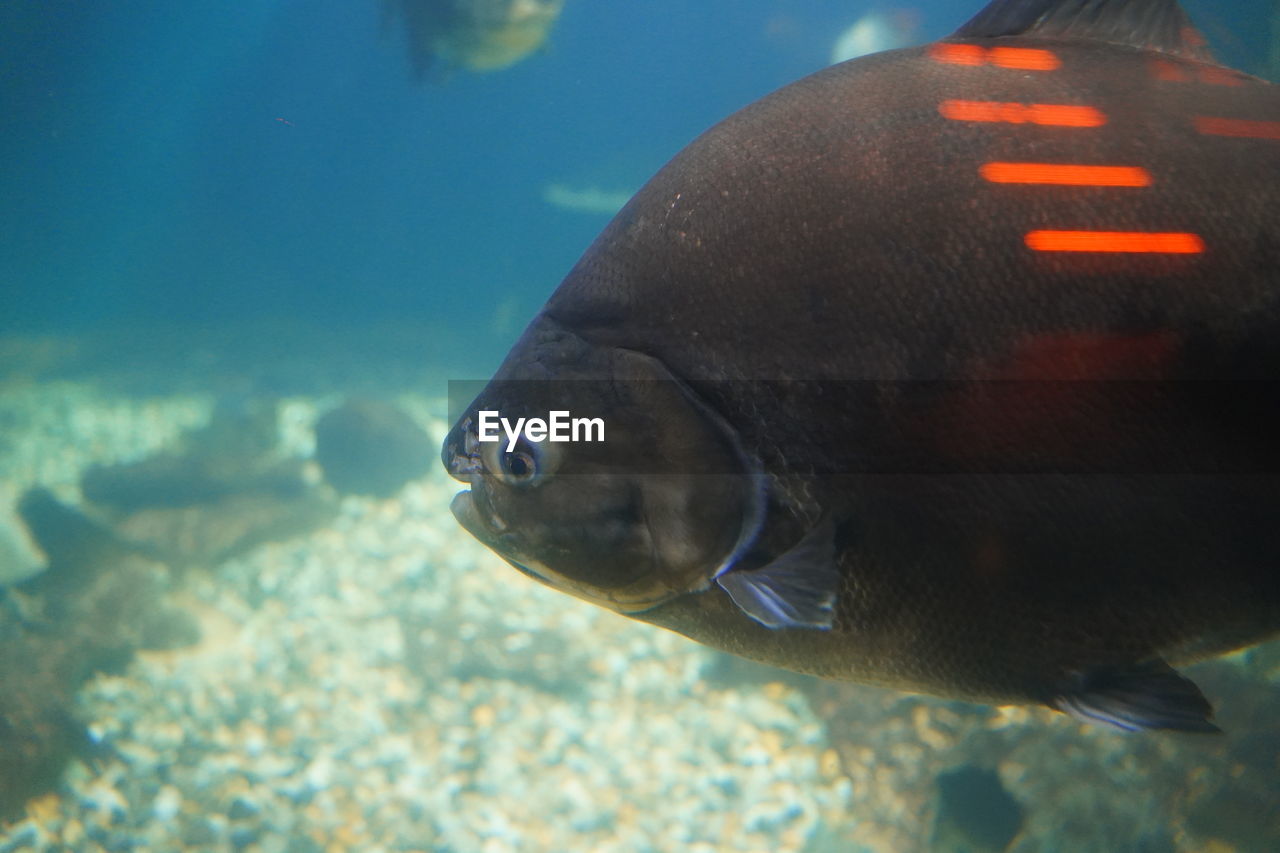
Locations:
(1213, 126)
(958, 54)
(1220, 76)
(1174, 243)
(1168, 71)
(1163, 69)
(1065, 174)
(1059, 115)
(1026, 58)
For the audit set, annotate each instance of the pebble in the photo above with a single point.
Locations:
(23, 835)
(167, 804)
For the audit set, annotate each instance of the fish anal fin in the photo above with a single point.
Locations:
(1143, 696)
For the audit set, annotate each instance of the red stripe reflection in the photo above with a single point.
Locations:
(1163, 69)
(1025, 58)
(1065, 174)
(1171, 72)
(1173, 243)
(1060, 115)
(958, 54)
(1221, 76)
(1213, 126)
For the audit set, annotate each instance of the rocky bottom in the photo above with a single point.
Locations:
(386, 684)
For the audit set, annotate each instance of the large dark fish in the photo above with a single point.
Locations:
(914, 373)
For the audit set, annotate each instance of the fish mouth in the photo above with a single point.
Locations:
(461, 457)
(473, 509)
(468, 507)
(480, 522)
(488, 528)
(461, 453)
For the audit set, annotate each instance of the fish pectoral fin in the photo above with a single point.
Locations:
(1149, 695)
(797, 590)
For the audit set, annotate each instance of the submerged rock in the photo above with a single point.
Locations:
(975, 813)
(235, 453)
(105, 590)
(226, 489)
(1237, 815)
(1232, 804)
(367, 447)
(96, 603)
(38, 734)
(19, 556)
(210, 533)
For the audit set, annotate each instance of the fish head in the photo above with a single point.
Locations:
(650, 508)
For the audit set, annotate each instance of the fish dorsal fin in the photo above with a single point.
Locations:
(1159, 25)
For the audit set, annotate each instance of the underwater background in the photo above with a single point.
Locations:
(243, 249)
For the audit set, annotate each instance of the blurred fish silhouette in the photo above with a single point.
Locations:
(478, 35)
(873, 32)
(915, 372)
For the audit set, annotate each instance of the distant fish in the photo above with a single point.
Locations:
(874, 32)
(913, 373)
(478, 35)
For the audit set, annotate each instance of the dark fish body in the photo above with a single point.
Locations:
(949, 331)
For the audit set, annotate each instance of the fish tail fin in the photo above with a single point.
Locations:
(1148, 695)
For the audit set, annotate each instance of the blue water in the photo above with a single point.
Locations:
(200, 162)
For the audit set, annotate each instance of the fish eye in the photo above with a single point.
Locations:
(518, 466)
(527, 465)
